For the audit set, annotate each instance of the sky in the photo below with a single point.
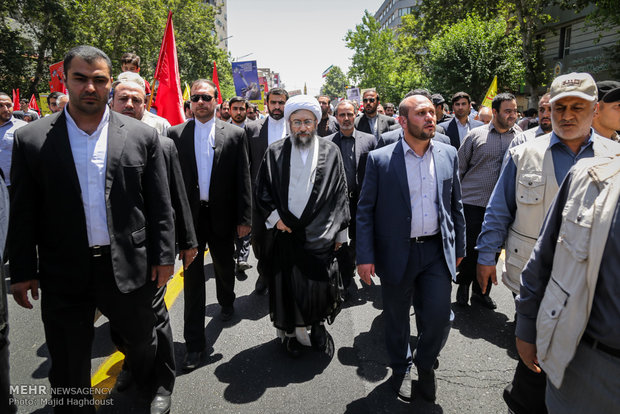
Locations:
(298, 39)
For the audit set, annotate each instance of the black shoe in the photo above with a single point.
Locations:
(192, 360)
(124, 380)
(241, 275)
(161, 404)
(427, 384)
(462, 295)
(318, 337)
(484, 300)
(402, 385)
(261, 287)
(292, 346)
(227, 313)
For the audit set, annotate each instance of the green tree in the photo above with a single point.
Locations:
(373, 62)
(470, 53)
(335, 83)
(39, 33)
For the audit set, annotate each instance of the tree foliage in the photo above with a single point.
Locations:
(470, 53)
(43, 30)
(335, 83)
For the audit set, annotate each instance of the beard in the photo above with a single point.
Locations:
(420, 133)
(303, 140)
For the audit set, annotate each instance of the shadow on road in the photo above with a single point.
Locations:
(251, 372)
(494, 327)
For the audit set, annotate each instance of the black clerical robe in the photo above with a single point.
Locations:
(305, 285)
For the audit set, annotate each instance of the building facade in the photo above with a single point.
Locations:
(391, 11)
(221, 22)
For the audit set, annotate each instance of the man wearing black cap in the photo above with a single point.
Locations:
(439, 103)
(606, 120)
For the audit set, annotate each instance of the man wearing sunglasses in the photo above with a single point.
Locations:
(214, 163)
(372, 122)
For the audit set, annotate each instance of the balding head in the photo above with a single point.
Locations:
(417, 117)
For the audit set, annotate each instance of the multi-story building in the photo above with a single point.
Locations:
(573, 44)
(390, 12)
(221, 22)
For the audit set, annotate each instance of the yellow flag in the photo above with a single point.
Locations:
(305, 89)
(490, 93)
(186, 93)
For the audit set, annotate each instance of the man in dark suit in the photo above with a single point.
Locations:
(411, 229)
(214, 163)
(372, 122)
(129, 98)
(328, 124)
(354, 146)
(261, 134)
(459, 126)
(91, 220)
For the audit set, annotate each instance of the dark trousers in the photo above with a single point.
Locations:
(346, 262)
(427, 284)
(221, 249)
(165, 367)
(5, 382)
(526, 393)
(262, 245)
(68, 323)
(474, 216)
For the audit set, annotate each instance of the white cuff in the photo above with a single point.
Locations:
(342, 236)
(272, 220)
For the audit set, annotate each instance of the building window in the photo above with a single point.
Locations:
(565, 35)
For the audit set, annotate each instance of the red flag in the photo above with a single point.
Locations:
(217, 83)
(16, 99)
(169, 98)
(33, 104)
(57, 74)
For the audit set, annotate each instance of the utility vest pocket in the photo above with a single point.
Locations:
(576, 230)
(551, 306)
(530, 188)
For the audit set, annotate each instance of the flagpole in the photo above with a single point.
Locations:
(155, 86)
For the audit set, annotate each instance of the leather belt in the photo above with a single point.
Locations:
(595, 344)
(204, 203)
(424, 239)
(98, 251)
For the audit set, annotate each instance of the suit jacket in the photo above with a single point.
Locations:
(452, 130)
(383, 124)
(390, 137)
(364, 143)
(48, 223)
(230, 196)
(257, 134)
(384, 211)
(184, 226)
(332, 126)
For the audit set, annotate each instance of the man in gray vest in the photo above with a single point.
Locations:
(527, 185)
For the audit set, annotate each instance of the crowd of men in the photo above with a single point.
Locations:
(420, 199)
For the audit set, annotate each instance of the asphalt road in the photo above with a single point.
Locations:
(247, 370)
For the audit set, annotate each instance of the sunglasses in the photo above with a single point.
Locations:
(371, 100)
(196, 98)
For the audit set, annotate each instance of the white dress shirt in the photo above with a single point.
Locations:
(6, 145)
(204, 147)
(276, 130)
(90, 158)
(463, 129)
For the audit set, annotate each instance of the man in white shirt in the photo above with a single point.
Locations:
(8, 125)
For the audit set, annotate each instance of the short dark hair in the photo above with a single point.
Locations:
(89, 53)
(323, 96)
(277, 91)
(343, 102)
(236, 99)
(253, 106)
(186, 105)
(460, 95)
(389, 105)
(372, 90)
(208, 82)
(53, 95)
(130, 58)
(501, 97)
(420, 91)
